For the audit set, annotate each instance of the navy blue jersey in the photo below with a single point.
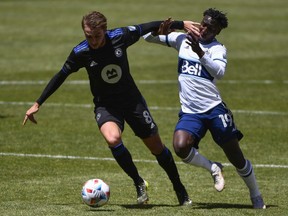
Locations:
(108, 69)
(110, 80)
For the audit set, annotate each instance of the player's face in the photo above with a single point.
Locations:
(95, 38)
(209, 29)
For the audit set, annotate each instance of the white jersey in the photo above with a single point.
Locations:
(197, 77)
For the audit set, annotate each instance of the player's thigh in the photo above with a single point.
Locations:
(110, 123)
(192, 124)
(222, 125)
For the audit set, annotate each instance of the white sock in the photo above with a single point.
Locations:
(247, 174)
(196, 159)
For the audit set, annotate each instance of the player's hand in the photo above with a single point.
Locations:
(190, 26)
(193, 41)
(164, 28)
(30, 113)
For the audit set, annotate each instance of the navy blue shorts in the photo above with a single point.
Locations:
(137, 116)
(219, 121)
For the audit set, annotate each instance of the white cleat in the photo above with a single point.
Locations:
(216, 173)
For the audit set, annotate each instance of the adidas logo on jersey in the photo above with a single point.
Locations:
(93, 63)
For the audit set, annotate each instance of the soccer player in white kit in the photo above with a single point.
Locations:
(201, 62)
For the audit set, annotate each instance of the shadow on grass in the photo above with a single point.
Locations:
(5, 116)
(224, 206)
(129, 206)
(100, 210)
(194, 206)
(145, 206)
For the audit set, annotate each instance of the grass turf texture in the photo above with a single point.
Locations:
(37, 36)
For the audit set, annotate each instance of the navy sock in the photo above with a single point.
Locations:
(166, 161)
(124, 159)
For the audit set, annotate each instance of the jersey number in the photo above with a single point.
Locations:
(226, 120)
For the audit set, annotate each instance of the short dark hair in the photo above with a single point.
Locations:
(218, 16)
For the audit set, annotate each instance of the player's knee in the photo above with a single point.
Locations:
(113, 142)
(112, 134)
(181, 148)
(113, 139)
(182, 143)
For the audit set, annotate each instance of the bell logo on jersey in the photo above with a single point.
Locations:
(193, 69)
(111, 73)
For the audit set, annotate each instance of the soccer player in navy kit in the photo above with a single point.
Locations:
(116, 96)
(201, 62)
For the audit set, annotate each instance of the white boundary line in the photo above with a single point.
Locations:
(82, 82)
(19, 103)
(112, 159)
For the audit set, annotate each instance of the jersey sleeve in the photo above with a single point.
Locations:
(72, 64)
(136, 31)
(173, 39)
(154, 26)
(215, 61)
(52, 86)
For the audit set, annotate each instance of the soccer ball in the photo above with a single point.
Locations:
(95, 193)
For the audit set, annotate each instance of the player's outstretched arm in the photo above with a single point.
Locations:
(164, 28)
(51, 87)
(30, 113)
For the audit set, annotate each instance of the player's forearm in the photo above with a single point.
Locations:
(52, 86)
(215, 68)
(154, 26)
(159, 39)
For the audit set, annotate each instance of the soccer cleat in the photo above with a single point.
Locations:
(258, 202)
(219, 182)
(183, 197)
(142, 196)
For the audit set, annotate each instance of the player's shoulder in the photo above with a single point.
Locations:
(215, 44)
(176, 37)
(81, 47)
(118, 32)
(115, 32)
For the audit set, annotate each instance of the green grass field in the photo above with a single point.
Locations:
(43, 167)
